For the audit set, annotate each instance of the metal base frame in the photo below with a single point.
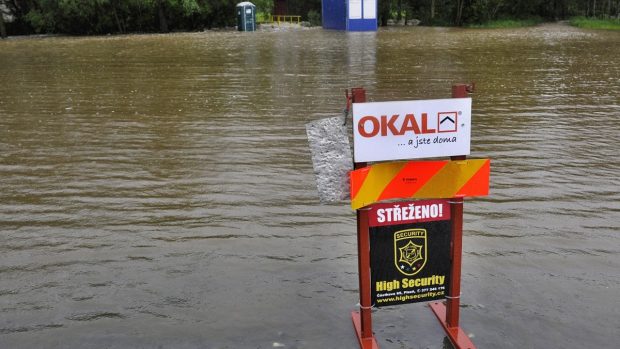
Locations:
(365, 343)
(457, 336)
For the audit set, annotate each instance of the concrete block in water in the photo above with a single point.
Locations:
(331, 158)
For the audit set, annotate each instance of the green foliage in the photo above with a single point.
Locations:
(593, 23)
(190, 7)
(506, 23)
(493, 13)
(481, 11)
(264, 6)
(120, 16)
(314, 17)
(262, 17)
(40, 22)
(42, 19)
(303, 7)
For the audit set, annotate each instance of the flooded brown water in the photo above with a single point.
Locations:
(157, 191)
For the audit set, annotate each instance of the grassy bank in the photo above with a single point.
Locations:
(507, 23)
(593, 23)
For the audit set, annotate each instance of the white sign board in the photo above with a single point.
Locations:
(355, 9)
(370, 9)
(411, 129)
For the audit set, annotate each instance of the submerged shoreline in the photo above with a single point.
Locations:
(577, 22)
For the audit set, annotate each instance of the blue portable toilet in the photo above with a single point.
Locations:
(246, 16)
(350, 15)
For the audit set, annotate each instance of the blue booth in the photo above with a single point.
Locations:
(350, 15)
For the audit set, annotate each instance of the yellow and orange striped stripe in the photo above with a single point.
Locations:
(419, 179)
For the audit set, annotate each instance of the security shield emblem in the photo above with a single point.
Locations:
(410, 251)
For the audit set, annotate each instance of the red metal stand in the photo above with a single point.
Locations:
(362, 320)
(448, 314)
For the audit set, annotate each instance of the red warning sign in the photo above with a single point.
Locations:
(406, 212)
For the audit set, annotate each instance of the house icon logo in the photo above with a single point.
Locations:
(447, 122)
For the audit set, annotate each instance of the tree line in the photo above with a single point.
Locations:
(468, 12)
(84, 17)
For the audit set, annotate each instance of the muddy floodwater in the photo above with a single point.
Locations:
(156, 191)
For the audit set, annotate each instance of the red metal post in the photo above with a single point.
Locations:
(448, 314)
(362, 321)
(456, 209)
(363, 250)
